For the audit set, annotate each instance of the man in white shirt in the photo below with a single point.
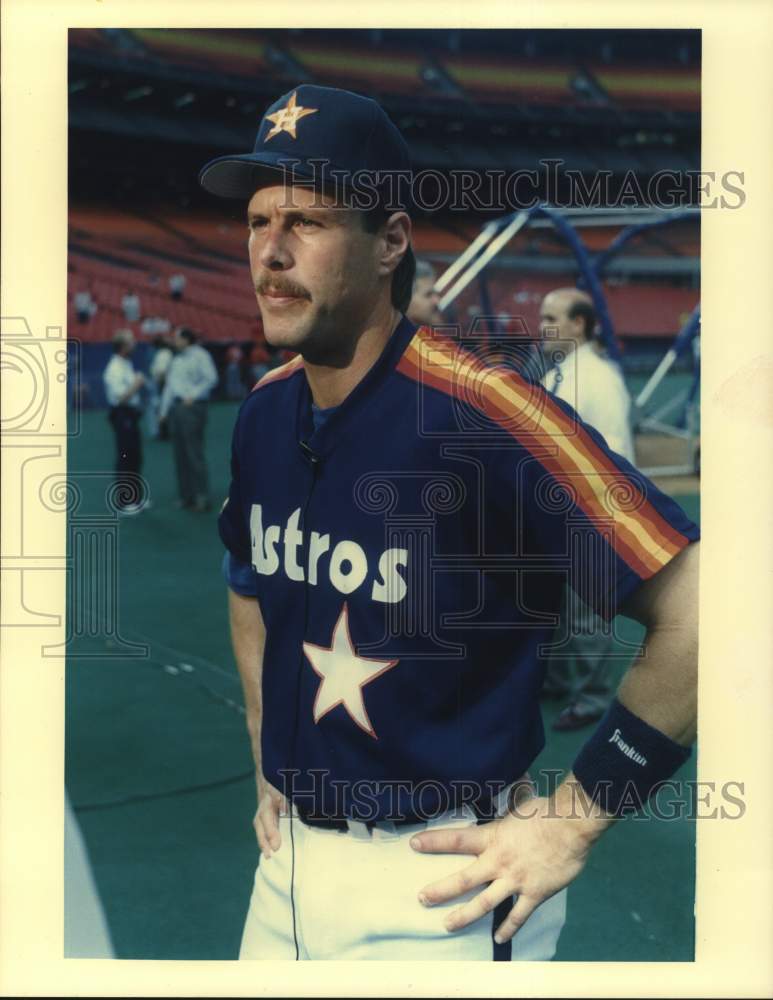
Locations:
(593, 385)
(585, 378)
(122, 389)
(190, 379)
(130, 304)
(155, 325)
(85, 306)
(177, 284)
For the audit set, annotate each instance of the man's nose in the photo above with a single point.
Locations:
(274, 252)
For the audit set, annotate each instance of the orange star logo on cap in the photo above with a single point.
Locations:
(287, 118)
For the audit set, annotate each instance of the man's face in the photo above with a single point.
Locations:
(553, 317)
(423, 309)
(314, 269)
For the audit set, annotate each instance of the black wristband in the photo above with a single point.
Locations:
(625, 760)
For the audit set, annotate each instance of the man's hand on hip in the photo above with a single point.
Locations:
(532, 853)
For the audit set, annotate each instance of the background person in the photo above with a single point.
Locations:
(177, 283)
(122, 389)
(155, 326)
(85, 306)
(423, 308)
(191, 378)
(130, 305)
(586, 379)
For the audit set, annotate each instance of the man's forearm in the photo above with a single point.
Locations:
(661, 686)
(248, 636)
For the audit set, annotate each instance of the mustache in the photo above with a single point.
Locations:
(280, 286)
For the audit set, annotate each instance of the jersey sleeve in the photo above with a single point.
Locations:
(587, 511)
(232, 523)
(239, 576)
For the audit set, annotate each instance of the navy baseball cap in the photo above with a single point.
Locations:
(317, 135)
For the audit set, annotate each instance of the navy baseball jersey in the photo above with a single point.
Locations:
(409, 554)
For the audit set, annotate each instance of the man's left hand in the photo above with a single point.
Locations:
(532, 853)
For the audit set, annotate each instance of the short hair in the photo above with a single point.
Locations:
(187, 334)
(403, 274)
(121, 338)
(580, 308)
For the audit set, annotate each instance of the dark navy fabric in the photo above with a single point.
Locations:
(240, 576)
(625, 760)
(446, 555)
(327, 136)
(320, 416)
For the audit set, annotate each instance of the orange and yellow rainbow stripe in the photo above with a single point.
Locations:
(562, 445)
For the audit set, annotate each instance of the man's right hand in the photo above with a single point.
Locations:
(271, 805)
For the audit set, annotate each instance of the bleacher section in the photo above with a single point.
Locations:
(113, 252)
(388, 71)
(212, 50)
(648, 86)
(497, 79)
(395, 68)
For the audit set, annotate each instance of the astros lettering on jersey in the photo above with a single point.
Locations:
(409, 558)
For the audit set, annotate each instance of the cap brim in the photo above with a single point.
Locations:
(240, 176)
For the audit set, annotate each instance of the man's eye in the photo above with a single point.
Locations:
(306, 223)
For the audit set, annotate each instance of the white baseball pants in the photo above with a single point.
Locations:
(355, 897)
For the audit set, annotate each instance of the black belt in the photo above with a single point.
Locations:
(326, 823)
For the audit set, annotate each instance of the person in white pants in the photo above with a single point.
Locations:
(354, 898)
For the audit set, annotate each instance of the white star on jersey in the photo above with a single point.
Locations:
(344, 674)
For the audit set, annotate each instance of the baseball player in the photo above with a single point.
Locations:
(401, 521)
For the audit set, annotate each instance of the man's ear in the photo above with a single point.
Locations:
(578, 328)
(396, 238)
